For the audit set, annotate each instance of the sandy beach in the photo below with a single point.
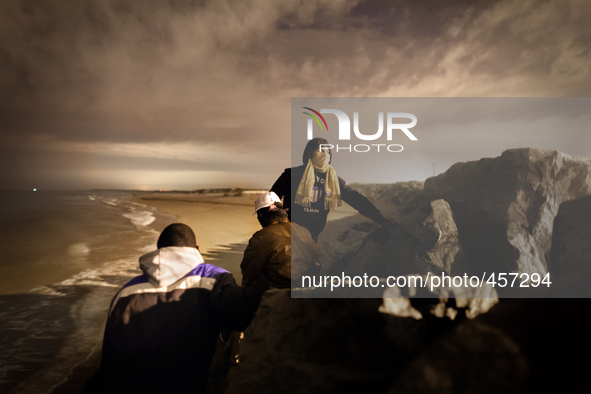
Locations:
(222, 223)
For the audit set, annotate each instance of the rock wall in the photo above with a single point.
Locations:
(571, 238)
(491, 215)
(495, 214)
(504, 207)
(570, 256)
(519, 346)
(427, 240)
(326, 345)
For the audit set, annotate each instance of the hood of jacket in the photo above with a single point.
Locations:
(165, 266)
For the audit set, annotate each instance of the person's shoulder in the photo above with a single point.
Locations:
(282, 182)
(206, 270)
(272, 231)
(286, 172)
(212, 276)
(256, 239)
(258, 234)
(140, 279)
(283, 222)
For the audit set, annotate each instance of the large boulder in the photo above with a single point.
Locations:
(434, 227)
(491, 215)
(427, 240)
(474, 358)
(504, 207)
(326, 345)
(570, 256)
(571, 238)
(519, 346)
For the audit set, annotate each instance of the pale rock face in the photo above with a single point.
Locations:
(438, 233)
(505, 206)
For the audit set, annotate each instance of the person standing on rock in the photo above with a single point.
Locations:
(163, 326)
(313, 189)
(272, 249)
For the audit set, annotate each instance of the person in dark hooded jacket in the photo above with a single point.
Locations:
(272, 250)
(313, 189)
(163, 326)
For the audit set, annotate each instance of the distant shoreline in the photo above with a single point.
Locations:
(245, 198)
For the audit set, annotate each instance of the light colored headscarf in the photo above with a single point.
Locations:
(332, 192)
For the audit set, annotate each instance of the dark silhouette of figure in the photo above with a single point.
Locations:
(163, 326)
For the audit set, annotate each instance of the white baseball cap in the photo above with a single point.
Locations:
(266, 200)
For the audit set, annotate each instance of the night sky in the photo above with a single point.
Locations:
(187, 94)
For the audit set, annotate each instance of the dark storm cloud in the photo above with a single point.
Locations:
(217, 76)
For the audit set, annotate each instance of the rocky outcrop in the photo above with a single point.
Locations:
(426, 240)
(526, 211)
(355, 250)
(326, 345)
(434, 227)
(491, 215)
(345, 345)
(570, 257)
(474, 358)
(519, 346)
(504, 207)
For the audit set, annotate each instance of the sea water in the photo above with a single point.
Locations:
(63, 256)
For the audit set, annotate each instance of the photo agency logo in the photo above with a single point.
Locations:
(393, 128)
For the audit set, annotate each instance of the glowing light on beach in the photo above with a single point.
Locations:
(34, 190)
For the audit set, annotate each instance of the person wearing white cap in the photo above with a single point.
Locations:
(269, 250)
(266, 200)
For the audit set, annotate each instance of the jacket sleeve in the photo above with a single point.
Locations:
(235, 305)
(361, 203)
(252, 262)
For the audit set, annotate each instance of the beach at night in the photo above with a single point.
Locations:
(53, 329)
